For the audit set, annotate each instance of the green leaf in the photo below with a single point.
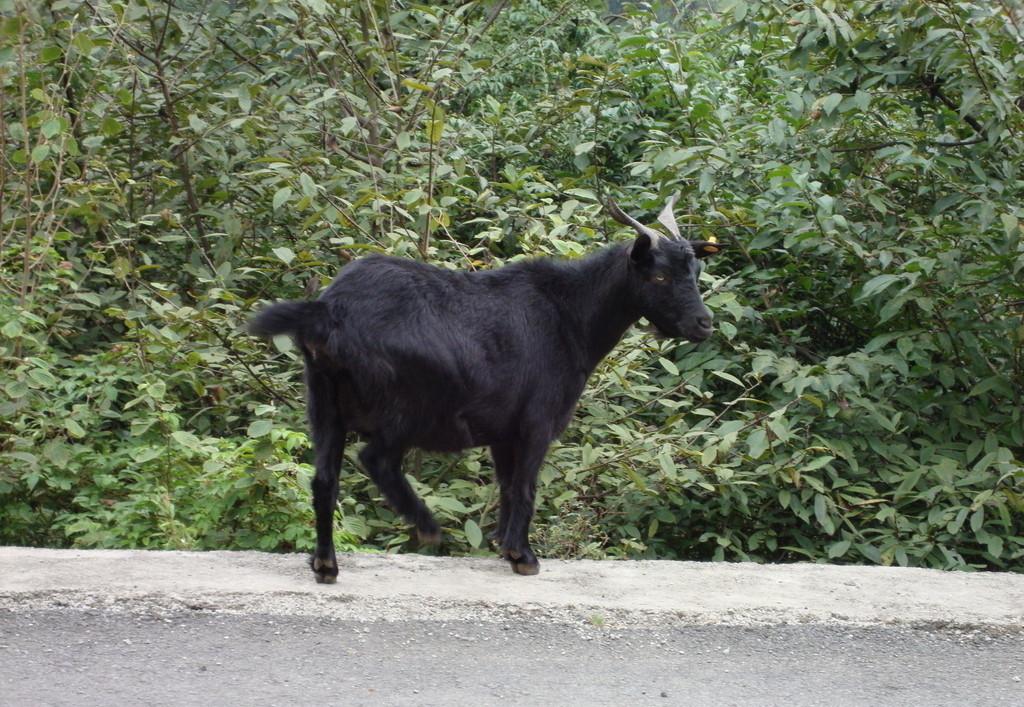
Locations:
(244, 99)
(355, 525)
(110, 127)
(1010, 224)
(757, 442)
(978, 519)
(49, 54)
(473, 533)
(40, 152)
(434, 129)
(141, 455)
(668, 366)
(307, 184)
(877, 284)
(583, 147)
(51, 127)
(281, 196)
(838, 549)
(286, 254)
(818, 463)
(11, 329)
(74, 429)
(58, 453)
(813, 400)
(259, 428)
(449, 504)
(186, 439)
(43, 377)
(587, 194)
(727, 376)
(891, 308)
(994, 545)
(416, 85)
(821, 514)
(830, 102)
(82, 43)
(16, 389)
(157, 390)
(785, 498)
(196, 123)
(26, 457)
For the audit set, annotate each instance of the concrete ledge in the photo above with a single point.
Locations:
(407, 587)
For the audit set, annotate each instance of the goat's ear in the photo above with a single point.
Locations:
(667, 217)
(640, 251)
(703, 249)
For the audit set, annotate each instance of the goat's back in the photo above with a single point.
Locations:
(450, 357)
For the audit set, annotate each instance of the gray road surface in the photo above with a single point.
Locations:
(113, 628)
(86, 658)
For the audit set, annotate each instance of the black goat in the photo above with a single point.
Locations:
(410, 355)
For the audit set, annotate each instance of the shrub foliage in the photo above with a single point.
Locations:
(167, 166)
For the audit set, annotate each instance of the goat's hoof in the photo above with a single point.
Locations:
(526, 568)
(524, 563)
(429, 537)
(325, 571)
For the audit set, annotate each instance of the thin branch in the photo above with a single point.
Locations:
(425, 238)
(163, 30)
(959, 143)
(968, 47)
(948, 102)
(890, 143)
(245, 60)
(872, 147)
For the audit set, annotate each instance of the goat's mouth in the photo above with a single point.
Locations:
(694, 334)
(698, 334)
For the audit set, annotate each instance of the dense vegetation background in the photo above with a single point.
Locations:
(169, 166)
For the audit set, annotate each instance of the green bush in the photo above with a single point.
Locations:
(166, 171)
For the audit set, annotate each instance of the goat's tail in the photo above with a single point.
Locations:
(306, 321)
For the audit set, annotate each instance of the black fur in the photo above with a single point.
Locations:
(411, 355)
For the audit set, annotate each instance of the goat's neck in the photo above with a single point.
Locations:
(604, 305)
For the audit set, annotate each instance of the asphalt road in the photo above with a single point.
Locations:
(86, 658)
(167, 628)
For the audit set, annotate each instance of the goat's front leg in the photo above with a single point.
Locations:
(519, 487)
(504, 466)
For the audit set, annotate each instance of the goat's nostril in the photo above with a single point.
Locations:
(704, 322)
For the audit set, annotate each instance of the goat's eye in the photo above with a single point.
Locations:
(661, 277)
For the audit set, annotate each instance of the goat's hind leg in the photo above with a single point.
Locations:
(384, 465)
(328, 431)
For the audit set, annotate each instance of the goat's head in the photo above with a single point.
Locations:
(663, 272)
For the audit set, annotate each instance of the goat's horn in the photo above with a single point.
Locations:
(667, 217)
(616, 213)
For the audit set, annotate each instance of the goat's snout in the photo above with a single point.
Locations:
(701, 329)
